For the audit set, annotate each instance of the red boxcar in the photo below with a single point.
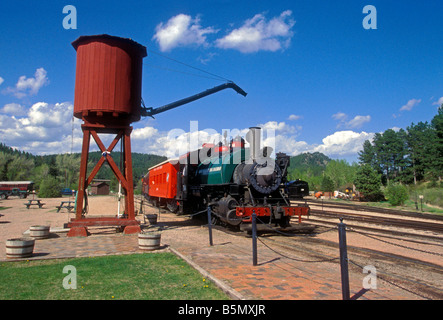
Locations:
(160, 184)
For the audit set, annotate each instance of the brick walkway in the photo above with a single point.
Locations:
(228, 262)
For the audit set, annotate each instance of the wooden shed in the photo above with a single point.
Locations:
(100, 188)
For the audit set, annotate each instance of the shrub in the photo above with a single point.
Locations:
(49, 188)
(396, 194)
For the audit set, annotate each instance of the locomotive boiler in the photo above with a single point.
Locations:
(234, 181)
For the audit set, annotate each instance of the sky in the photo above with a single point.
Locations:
(320, 75)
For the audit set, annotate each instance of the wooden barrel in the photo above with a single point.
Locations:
(149, 241)
(19, 248)
(152, 218)
(39, 232)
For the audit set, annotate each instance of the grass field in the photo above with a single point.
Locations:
(153, 276)
(432, 201)
(408, 206)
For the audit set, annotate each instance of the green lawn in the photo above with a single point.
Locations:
(150, 276)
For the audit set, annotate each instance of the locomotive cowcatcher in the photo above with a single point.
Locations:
(233, 180)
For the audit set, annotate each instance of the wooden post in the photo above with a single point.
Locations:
(128, 175)
(82, 175)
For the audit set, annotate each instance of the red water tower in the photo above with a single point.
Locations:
(107, 99)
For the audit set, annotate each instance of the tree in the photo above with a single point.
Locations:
(420, 142)
(340, 172)
(396, 194)
(367, 155)
(15, 167)
(5, 160)
(49, 188)
(390, 154)
(395, 151)
(368, 182)
(381, 164)
(437, 124)
(327, 184)
(68, 165)
(53, 171)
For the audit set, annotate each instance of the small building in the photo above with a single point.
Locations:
(100, 187)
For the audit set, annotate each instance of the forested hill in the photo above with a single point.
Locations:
(17, 165)
(315, 163)
(322, 172)
(309, 160)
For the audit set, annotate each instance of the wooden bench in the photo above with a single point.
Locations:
(34, 203)
(66, 204)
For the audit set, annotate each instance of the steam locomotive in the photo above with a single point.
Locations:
(234, 181)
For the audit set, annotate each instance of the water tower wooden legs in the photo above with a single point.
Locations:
(127, 221)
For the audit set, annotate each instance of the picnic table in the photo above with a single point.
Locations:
(34, 202)
(66, 204)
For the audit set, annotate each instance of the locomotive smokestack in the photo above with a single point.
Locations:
(254, 139)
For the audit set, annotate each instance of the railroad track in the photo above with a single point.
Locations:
(407, 273)
(366, 208)
(436, 227)
(386, 221)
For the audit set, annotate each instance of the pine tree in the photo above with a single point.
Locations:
(368, 183)
(437, 124)
(327, 184)
(421, 148)
(367, 155)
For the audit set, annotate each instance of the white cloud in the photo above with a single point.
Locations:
(439, 102)
(339, 116)
(46, 128)
(49, 116)
(294, 117)
(286, 144)
(144, 133)
(181, 30)
(14, 109)
(342, 143)
(411, 104)
(1, 80)
(282, 127)
(258, 34)
(29, 86)
(357, 122)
